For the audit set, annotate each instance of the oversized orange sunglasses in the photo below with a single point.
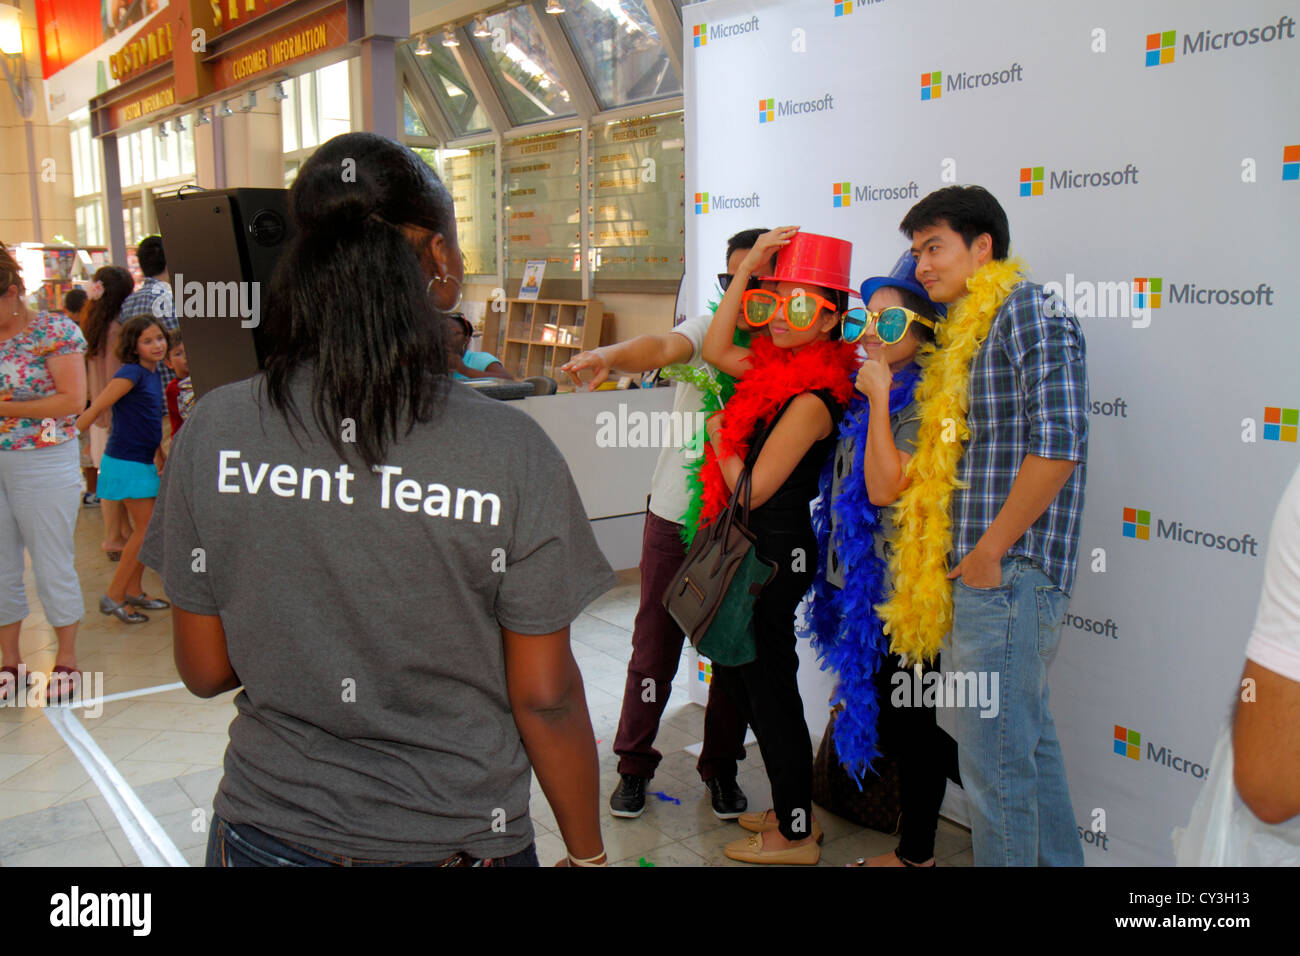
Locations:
(801, 309)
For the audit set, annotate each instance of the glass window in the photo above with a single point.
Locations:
(93, 159)
(542, 202)
(144, 149)
(620, 51)
(186, 141)
(309, 130)
(451, 90)
(82, 177)
(90, 228)
(431, 157)
(521, 68)
(124, 162)
(166, 159)
(289, 117)
(471, 175)
(637, 217)
(334, 98)
(412, 123)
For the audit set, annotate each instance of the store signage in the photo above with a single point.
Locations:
(228, 14)
(299, 40)
(148, 49)
(150, 100)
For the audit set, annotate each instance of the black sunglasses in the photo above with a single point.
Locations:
(724, 280)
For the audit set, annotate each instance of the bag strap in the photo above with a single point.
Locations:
(744, 484)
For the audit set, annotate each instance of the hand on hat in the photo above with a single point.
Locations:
(766, 246)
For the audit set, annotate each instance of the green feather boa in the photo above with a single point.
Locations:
(717, 388)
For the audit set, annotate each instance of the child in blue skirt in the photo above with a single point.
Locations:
(128, 471)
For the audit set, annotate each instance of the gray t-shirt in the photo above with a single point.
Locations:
(363, 615)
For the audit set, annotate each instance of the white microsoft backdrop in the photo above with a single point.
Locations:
(1193, 128)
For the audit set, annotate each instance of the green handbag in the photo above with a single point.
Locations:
(713, 593)
(729, 641)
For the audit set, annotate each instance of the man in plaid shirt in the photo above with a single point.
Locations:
(154, 298)
(1015, 531)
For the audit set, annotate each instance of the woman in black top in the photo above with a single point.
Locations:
(791, 393)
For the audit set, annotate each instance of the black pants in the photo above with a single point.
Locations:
(927, 760)
(767, 690)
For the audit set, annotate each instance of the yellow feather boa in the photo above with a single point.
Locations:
(919, 612)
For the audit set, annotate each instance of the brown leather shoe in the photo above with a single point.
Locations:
(757, 822)
(750, 850)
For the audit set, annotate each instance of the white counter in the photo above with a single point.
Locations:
(611, 444)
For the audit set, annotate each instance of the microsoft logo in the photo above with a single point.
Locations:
(932, 85)
(1291, 162)
(841, 194)
(701, 203)
(705, 671)
(766, 110)
(1031, 180)
(1128, 743)
(1137, 524)
(701, 34)
(1280, 423)
(1147, 292)
(843, 7)
(1160, 48)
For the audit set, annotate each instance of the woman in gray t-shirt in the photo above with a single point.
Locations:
(394, 598)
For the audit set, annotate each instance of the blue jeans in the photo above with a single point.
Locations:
(242, 845)
(1011, 766)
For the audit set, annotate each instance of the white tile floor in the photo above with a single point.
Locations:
(168, 746)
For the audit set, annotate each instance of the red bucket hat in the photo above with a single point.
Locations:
(816, 260)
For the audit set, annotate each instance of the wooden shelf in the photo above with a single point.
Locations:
(515, 333)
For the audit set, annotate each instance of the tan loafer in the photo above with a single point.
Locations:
(758, 822)
(750, 850)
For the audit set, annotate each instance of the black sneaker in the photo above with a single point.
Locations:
(728, 799)
(628, 801)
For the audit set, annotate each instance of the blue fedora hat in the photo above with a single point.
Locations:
(902, 276)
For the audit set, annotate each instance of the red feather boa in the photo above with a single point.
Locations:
(777, 376)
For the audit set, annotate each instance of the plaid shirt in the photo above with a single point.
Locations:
(153, 299)
(1029, 396)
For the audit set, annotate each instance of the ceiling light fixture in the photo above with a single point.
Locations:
(449, 38)
(203, 118)
(422, 48)
(250, 101)
(554, 7)
(278, 93)
(481, 28)
(225, 108)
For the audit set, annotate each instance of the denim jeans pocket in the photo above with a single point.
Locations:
(1052, 602)
(1003, 588)
(234, 846)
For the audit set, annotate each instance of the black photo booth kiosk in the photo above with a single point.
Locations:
(215, 237)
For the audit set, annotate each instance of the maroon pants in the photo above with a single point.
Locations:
(656, 652)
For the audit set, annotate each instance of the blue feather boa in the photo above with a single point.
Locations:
(845, 629)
